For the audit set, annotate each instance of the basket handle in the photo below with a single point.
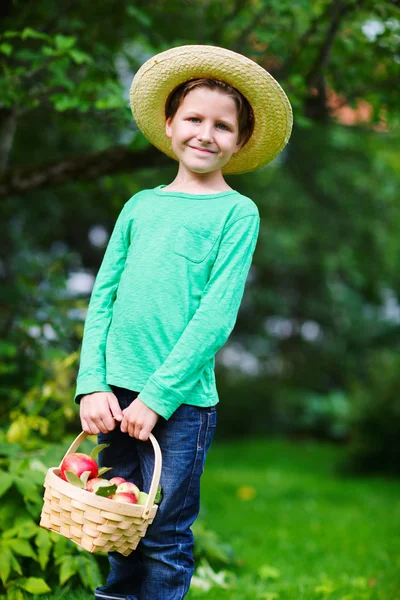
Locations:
(156, 474)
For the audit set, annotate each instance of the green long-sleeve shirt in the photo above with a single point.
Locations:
(167, 295)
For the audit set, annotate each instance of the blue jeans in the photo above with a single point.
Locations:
(162, 565)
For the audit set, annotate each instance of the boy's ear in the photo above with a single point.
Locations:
(168, 129)
(237, 147)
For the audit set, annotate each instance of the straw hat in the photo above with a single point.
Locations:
(161, 74)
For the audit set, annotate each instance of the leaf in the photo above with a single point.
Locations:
(84, 477)
(22, 547)
(64, 42)
(10, 34)
(34, 585)
(60, 547)
(68, 568)
(28, 489)
(205, 578)
(109, 102)
(37, 465)
(23, 528)
(15, 564)
(44, 544)
(80, 57)
(74, 479)
(6, 481)
(48, 51)
(209, 544)
(158, 497)
(105, 490)
(63, 102)
(97, 449)
(61, 80)
(139, 15)
(9, 449)
(6, 48)
(104, 470)
(28, 32)
(5, 563)
(88, 571)
(14, 593)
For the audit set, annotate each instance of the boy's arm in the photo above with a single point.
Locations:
(92, 369)
(212, 323)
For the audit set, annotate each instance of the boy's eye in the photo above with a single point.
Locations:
(219, 125)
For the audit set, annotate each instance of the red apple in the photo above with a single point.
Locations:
(129, 487)
(124, 497)
(117, 480)
(78, 463)
(92, 482)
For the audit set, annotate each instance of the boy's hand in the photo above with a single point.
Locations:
(139, 420)
(99, 412)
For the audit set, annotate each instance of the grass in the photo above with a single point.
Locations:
(299, 530)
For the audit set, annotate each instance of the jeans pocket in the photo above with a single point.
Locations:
(211, 425)
(180, 434)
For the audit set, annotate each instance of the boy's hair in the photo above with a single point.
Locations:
(244, 110)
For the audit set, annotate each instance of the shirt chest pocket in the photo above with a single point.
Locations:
(194, 243)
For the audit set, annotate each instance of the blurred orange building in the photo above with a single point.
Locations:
(345, 114)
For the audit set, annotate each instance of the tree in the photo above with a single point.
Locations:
(328, 243)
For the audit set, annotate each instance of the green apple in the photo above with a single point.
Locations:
(142, 498)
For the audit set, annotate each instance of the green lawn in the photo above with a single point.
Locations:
(299, 530)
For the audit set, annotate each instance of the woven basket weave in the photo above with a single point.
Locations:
(95, 523)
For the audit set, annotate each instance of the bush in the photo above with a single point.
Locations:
(319, 416)
(33, 559)
(375, 416)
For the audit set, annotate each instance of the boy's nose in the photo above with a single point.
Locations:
(205, 135)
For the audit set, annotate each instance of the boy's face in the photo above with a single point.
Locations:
(204, 130)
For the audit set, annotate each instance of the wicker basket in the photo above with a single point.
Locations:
(97, 524)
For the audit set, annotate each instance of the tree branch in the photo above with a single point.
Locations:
(8, 124)
(302, 42)
(87, 167)
(316, 104)
(242, 39)
(339, 10)
(221, 24)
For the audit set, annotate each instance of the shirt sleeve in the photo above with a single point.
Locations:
(92, 368)
(211, 324)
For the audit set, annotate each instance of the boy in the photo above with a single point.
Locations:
(168, 292)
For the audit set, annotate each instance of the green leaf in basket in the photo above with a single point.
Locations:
(158, 497)
(74, 479)
(105, 490)
(104, 470)
(97, 449)
(84, 477)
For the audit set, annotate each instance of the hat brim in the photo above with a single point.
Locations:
(156, 78)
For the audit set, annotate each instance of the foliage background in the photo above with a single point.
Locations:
(314, 353)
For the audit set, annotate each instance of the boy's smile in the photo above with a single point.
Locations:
(204, 130)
